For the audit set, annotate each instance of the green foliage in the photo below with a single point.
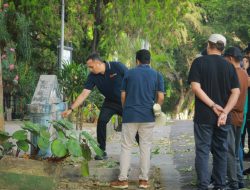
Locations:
(92, 142)
(20, 135)
(176, 31)
(59, 148)
(85, 168)
(72, 78)
(23, 145)
(63, 145)
(6, 148)
(74, 147)
(228, 17)
(31, 127)
(4, 136)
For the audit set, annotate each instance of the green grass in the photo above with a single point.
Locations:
(25, 182)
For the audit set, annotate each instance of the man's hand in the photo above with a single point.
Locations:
(217, 109)
(66, 113)
(222, 119)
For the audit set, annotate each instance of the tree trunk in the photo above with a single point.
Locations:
(1, 97)
(96, 34)
(184, 96)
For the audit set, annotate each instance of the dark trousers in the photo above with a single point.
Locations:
(210, 137)
(234, 172)
(107, 111)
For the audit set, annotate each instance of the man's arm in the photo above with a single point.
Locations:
(160, 98)
(196, 88)
(79, 100)
(123, 97)
(235, 92)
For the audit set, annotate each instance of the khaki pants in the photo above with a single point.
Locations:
(129, 131)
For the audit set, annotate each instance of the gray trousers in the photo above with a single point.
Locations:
(234, 172)
(211, 138)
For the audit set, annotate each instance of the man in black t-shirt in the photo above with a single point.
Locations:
(215, 84)
(107, 77)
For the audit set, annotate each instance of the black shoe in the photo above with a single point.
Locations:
(246, 156)
(246, 171)
(219, 188)
(103, 157)
(241, 185)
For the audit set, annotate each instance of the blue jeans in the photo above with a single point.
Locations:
(210, 137)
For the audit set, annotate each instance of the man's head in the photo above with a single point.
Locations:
(247, 50)
(95, 63)
(246, 62)
(143, 56)
(233, 55)
(216, 43)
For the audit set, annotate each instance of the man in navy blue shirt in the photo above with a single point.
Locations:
(107, 77)
(141, 88)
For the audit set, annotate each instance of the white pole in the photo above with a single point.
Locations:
(62, 36)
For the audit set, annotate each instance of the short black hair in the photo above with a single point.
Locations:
(94, 56)
(247, 50)
(143, 56)
(219, 45)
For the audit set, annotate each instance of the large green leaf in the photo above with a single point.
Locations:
(4, 136)
(85, 168)
(66, 124)
(74, 147)
(23, 145)
(88, 137)
(86, 152)
(61, 135)
(96, 148)
(44, 133)
(56, 126)
(7, 146)
(32, 127)
(20, 135)
(43, 143)
(58, 148)
(92, 142)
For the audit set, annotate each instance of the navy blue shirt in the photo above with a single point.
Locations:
(140, 84)
(109, 83)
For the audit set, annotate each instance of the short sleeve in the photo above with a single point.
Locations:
(124, 83)
(194, 73)
(90, 84)
(233, 78)
(122, 69)
(160, 83)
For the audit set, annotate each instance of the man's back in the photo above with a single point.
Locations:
(141, 85)
(237, 111)
(217, 77)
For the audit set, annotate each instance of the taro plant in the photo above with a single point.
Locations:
(64, 143)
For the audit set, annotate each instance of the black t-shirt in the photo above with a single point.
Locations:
(217, 77)
(109, 83)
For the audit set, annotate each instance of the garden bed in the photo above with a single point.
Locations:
(27, 174)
